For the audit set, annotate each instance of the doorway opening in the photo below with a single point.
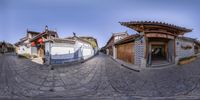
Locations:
(158, 54)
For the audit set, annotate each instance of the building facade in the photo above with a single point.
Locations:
(110, 48)
(24, 45)
(197, 47)
(59, 51)
(155, 44)
(51, 49)
(6, 47)
(33, 42)
(38, 44)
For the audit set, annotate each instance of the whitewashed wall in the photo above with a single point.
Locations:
(58, 53)
(34, 51)
(84, 50)
(62, 52)
(180, 52)
(24, 49)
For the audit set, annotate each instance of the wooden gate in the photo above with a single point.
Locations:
(41, 51)
(125, 52)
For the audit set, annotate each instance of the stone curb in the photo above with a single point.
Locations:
(125, 65)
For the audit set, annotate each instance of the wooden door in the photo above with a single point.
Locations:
(41, 51)
(125, 52)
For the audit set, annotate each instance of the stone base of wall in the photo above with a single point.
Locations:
(143, 63)
(187, 61)
(176, 60)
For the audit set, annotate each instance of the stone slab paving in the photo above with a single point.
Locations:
(99, 78)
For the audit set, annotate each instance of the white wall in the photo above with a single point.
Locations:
(57, 53)
(85, 50)
(23, 49)
(180, 52)
(62, 51)
(114, 52)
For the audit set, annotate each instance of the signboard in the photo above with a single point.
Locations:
(157, 35)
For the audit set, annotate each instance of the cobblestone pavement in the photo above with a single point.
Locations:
(97, 78)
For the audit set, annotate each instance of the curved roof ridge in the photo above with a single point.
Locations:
(157, 23)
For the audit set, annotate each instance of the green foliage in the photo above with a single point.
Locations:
(25, 55)
(187, 58)
(186, 47)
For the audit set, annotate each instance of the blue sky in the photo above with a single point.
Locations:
(97, 18)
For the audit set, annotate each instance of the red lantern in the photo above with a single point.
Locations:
(32, 44)
(40, 40)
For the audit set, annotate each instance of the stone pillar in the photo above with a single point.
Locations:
(48, 52)
(107, 51)
(176, 60)
(114, 52)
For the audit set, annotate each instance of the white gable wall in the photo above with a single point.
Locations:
(84, 50)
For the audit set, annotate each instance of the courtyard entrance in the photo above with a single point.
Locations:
(160, 52)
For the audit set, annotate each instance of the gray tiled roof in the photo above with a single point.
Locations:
(155, 23)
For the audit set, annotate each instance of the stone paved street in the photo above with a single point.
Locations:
(97, 78)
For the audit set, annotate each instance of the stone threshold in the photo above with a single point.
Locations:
(161, 65)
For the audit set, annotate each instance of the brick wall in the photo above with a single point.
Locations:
(139, 50)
